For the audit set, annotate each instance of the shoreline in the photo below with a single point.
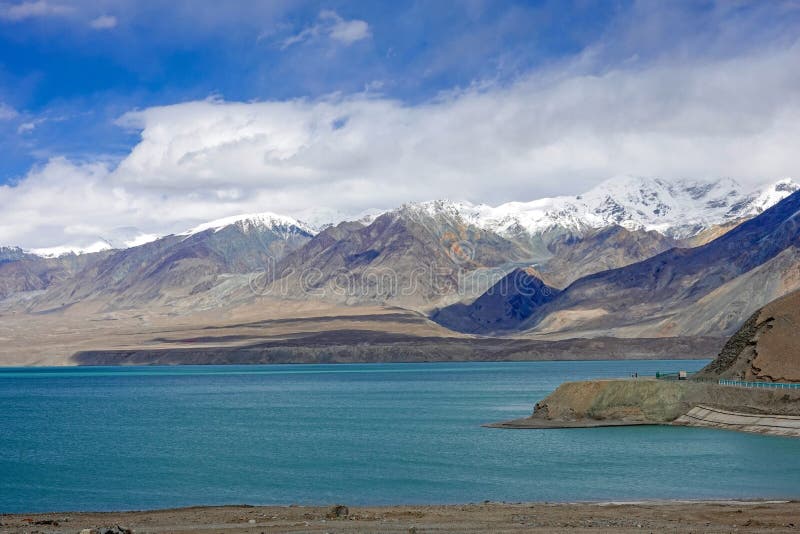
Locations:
(707, 515)
(531, 423)
(70, 364)
(349, 346)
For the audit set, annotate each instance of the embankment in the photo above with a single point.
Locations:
(775, 425)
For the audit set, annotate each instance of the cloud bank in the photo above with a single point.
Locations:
(560, 130)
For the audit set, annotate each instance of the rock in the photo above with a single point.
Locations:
(338, 511)
(89, 531)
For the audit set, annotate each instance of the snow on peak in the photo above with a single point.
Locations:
(260, 221)
(432, 208)
(678, 208)
(771, 195)
(63, 250)
(141, 239)
(320, 218)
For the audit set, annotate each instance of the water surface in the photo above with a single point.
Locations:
(113, 438)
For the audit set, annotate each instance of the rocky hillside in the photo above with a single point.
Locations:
(766, 348)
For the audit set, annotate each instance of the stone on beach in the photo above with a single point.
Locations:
(338, 511)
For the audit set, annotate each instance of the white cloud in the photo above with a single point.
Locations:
(29, 126)
(103, 22)
(330, 24)
(7, 112)
(557, 131)
(27, 10)
(346, 31)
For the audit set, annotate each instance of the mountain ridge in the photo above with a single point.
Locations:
(635, 203)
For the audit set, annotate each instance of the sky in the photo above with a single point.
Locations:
(124, 119)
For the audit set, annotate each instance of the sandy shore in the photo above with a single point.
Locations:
(710, 516)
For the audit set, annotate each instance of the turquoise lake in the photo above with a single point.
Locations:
(119, 438)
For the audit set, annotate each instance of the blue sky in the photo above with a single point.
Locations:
(88, 85)
(72, 81)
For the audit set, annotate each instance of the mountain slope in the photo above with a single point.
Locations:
(611, 247)
(180, 265)
(766, 348)
(503, 307)
(572, 258)
(414, 256)
(21, 272)
(659, 289)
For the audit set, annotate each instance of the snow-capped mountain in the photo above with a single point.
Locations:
(678, 209)
(279, 224)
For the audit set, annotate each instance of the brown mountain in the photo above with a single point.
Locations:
(766, 348)
(415, 257)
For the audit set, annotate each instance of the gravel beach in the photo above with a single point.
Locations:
(707, 516)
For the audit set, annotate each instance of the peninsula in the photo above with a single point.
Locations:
(752, 386)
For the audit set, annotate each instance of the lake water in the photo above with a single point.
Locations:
(154, 437)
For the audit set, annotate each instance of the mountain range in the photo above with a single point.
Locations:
(633, 258)
(679, 209)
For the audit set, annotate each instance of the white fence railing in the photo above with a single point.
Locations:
(758, 385)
